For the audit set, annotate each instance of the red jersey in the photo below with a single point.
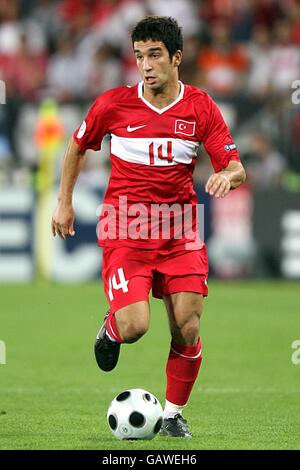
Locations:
(153, 153)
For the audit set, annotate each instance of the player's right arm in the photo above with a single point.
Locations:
(88, 136)
(63, 217)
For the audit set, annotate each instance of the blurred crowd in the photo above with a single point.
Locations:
(245, 53)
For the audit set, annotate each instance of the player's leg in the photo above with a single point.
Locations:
(126, 325)
(182, 283)
(184, 312)
(127, 280)
(132, 321)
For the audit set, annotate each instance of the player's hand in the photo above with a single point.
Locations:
(63, 221)
(218, 185)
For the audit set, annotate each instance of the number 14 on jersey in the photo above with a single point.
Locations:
(169, 157)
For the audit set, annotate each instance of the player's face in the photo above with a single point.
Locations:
(155, 65)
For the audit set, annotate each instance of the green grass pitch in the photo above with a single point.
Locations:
(53, 396)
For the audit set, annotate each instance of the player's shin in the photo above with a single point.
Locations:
(182, 370)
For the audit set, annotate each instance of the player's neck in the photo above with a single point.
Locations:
(164, 97)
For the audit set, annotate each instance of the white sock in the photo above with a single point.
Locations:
(171, 410)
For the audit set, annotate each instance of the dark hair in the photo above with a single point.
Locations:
(159, 28)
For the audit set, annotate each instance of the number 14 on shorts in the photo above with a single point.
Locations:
(114, 284)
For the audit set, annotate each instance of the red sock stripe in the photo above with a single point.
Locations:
(112, 328)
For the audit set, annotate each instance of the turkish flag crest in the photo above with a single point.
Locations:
(185, 127)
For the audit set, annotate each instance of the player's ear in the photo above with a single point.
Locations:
(177, 58)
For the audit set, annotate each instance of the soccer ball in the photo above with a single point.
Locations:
(135, 414)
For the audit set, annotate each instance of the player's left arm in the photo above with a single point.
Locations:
(219, 184)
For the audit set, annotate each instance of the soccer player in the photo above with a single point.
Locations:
(156, 128)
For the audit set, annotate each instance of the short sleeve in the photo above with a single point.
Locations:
(217, 139)
(94, 127)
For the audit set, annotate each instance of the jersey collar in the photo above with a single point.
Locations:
(157, 110)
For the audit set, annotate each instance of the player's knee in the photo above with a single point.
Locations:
(134, 331)
(190, 329)
(190, 319)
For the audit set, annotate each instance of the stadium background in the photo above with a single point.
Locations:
(55, 58)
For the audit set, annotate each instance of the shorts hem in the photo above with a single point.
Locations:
(176, 291)
(129, 302)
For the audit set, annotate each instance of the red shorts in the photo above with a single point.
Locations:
(129, 274)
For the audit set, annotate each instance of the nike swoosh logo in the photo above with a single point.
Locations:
(131, 129)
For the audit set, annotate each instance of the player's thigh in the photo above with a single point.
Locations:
(184, 310)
